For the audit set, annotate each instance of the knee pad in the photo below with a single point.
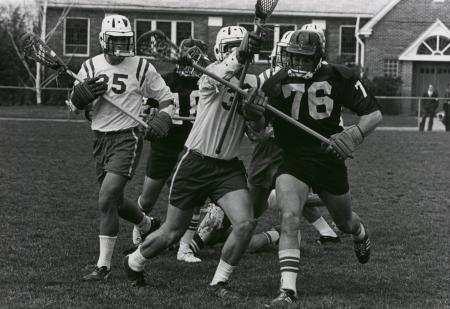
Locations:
(290, 223)
(245, 228)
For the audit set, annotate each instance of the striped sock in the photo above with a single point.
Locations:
(190, 232)
(272, 237)
(196, 244)
(289, 266)
(107, 244)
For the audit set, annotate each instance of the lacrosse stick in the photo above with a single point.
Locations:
(34, 48)
(156, 44)
(263, 10)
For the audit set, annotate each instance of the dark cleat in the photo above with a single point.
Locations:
(136, 278)
(221, 290)
(328, 240)
(286, 299)
(98, 274)
(362, 248)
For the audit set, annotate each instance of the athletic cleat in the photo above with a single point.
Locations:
(98, 274)
(362, 248)
(139, 237)
(186, 255)
(221, 290)
(286, 299)
(136, 278)
(327, 239)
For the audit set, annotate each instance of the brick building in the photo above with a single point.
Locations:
(386, 37)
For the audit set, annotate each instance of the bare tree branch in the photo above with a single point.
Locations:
(22, 59)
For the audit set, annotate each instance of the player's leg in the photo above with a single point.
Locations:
(430, 122)
(291, 197)
(237, 207)
(150, 193)
(312, 214)
(109, 202)
(185, 253)
(348, 222)
(177, 221)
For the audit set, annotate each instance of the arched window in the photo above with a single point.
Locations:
(435, 45)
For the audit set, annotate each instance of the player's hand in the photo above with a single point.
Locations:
(87, 91)
(158, 127)
(250, 45)
(254, 105)
(343, 144)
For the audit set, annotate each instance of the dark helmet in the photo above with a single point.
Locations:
(305, 51)
(197, 50)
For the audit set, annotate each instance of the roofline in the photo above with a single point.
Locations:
(210, 11)
(367, 29)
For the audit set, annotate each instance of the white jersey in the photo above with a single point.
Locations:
(212, 111)
(128, 82)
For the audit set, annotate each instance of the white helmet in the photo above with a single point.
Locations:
(227, 38)
(117, 26)
(278, 50)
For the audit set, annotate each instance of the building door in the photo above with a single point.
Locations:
(435, 73)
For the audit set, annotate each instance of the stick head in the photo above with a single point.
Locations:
(264, 8)
(156, 44)
(33, 47)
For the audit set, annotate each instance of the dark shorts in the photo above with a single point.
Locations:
(320, 171)
(266, 158)
(117, 152)
(164, 153)
(197, 177)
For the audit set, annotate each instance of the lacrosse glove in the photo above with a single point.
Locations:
(343, 144)
(254, 105)
(87, 91)
(250, 45)
(158, 127)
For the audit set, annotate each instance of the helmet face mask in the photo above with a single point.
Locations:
(278, 56)
(228, 38)
(305, 53)
(197, 50)
(116, 37)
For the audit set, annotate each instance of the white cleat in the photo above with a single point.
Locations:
(187, 256)
(137, 239)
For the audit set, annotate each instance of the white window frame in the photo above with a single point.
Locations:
(340, 39)
(88, 37)
(173, 27)
(276, 36)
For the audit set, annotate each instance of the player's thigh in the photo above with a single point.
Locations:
(259, 196)
(339, 206)
(177, 219)
(152, 187)
(112, 185)
(291, 194)
(237, 206)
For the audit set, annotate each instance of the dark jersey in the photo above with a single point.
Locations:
(186, 93)
(315, 102)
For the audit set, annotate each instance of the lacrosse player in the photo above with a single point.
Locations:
(201, 173)
(124, 79)
(313, 92)
(264, 163)
(164, 153)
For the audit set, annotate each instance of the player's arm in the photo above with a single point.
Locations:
(155, 87)
(359, 100)
(84, 93)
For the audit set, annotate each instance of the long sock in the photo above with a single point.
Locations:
(190, 232)
(196, 244)
(289, 266)
(136, 260)
(107, 244)
(223, 272)
(323, 228)
(360, 234)
(272, 236)
(145, 225)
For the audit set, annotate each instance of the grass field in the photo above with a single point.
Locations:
(400, 184)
